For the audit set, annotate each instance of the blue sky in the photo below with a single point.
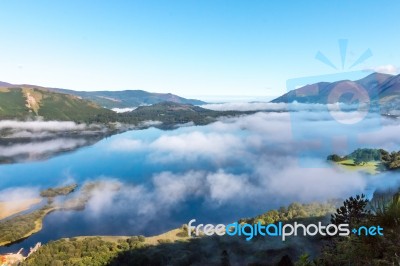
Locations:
(191, 48)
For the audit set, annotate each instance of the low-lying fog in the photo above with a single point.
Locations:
(235, 167)
(38, 140)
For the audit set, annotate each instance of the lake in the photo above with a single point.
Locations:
(234, 168)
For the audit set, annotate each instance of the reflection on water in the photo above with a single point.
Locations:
(36, 150)
(234, 168)
(39, 140)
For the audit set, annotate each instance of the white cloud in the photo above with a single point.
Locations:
(18, 193)
(194, 145)
(262, 188)
(102, 196)
(40, 148)
(38, 126)
(387, 69)
(150, 123)
(245, 106)
(123, 110)
(224, 187)
(253, 162)
(171, 189)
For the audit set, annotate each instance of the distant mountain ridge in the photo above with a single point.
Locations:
(115, 99)
(384, 88)
(27, 102)
(128, 98)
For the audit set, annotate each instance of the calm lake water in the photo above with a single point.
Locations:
(216, 174)
(102, 161)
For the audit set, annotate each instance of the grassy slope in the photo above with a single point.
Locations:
(369, 167)
(173, 235)
(12, 104)
(49, 105)
(65, 107)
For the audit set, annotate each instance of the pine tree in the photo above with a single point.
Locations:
(352, 212)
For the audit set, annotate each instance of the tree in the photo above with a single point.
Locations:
(334, 158)
(285, 261)
(358, 161)
(352, 212)
(225, 258)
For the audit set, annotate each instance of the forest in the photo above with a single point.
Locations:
(391, 160)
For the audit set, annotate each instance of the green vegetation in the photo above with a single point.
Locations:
(293, 211)
(60, 191)
(367, 250)
(391, 160)
(372, 168)
(172, 114)
(25, 103)
(352, 212)
(368, 160)
(12, 104)
(56, 106)
(31, 102)
(359, 156)
(175, 248)
(223, 250)
(22, 226)
(365, 155)
(168, 113)
(87, 251)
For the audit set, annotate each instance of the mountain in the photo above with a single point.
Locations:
(128, 98)
(115, 99)
(24, 102)
(30, 102)
(5, 84)
(169, 114)
(382, 87)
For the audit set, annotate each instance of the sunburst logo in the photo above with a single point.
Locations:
(343, 45)
(359, 96)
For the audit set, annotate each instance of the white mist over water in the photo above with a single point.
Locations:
(233, 168)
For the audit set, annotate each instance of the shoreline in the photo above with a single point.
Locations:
(38, 227)
(19, 206)
(171, 235)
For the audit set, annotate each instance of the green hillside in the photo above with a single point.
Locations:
(34, 102)
(128, 98)
(171, 113)
(30, 102)
(12, 104)
(175, 248)
(354, 249)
